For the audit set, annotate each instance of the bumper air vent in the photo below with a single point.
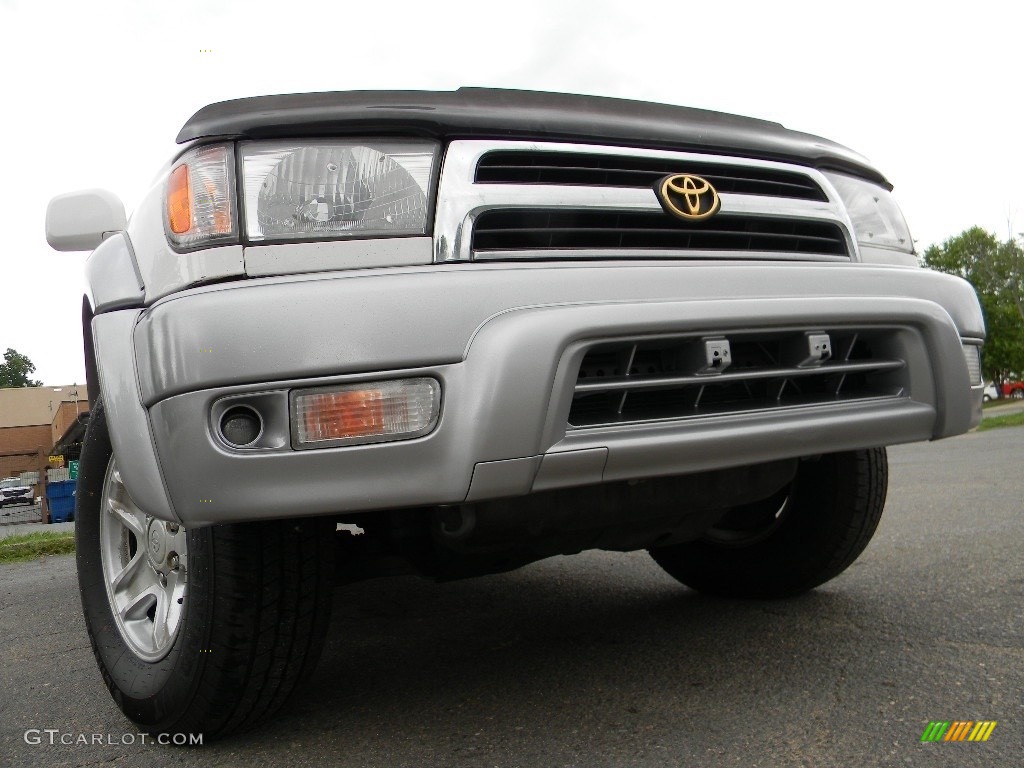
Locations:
(672, 378)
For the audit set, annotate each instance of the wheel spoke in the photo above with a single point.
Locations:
(136, 607)
(129, 519)
(176, 581)
(177, 544)
(161, 632)
(125, 578)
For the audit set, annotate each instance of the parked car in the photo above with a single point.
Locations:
(1013, 389)
(13, 491)
(486, 327)
(991, 392)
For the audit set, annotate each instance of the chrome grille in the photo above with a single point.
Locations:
(656, 379)
(511, 200)
(540, 230)
(582, 169)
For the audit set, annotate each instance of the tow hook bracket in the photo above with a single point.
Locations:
(809, 351)
(717, 356)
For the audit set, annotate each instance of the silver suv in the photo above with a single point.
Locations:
(480, 328)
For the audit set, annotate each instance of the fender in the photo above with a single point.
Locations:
(110, 311)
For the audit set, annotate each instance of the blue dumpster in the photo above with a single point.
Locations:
(60, 495)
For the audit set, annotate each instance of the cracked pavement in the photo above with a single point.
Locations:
(602, 660)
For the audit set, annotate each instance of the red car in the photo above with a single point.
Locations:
(1014, 389)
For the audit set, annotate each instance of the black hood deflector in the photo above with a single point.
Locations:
(508, 114)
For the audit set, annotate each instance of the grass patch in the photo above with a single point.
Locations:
(1009, 420)
(29, 546)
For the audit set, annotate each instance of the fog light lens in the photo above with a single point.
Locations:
(369, 412)
(240, 426)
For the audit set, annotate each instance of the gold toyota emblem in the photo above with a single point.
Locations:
(688, 197)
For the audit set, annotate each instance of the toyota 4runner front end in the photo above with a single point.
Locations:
(481, 328)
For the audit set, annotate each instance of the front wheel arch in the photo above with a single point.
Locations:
(257, 607)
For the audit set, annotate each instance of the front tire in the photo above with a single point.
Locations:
(205, 630)
(786, 545)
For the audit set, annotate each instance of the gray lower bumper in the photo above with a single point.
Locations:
(502, 342)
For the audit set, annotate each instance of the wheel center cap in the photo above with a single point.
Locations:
(157, 542)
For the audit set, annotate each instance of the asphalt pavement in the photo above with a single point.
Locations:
(602, 660)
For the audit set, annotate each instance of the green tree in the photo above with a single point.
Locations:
(15, 370)
(996, 270)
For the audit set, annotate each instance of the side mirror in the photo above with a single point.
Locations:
(77, 221)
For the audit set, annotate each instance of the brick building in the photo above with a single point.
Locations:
(34, 421)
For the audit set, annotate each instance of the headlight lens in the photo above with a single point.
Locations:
(317, 190)
(877, 220)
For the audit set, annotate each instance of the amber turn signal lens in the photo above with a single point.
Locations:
(341, 415)
(179, 201)
(364, 413)
(200, 194)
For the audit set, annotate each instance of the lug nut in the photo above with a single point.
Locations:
(171, 527)
(173, 561)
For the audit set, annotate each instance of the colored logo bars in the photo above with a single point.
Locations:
(958, 730)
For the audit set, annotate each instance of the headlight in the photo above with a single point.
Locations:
(319, 190)
(877, 220)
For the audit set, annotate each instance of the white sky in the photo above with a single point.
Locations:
(93, 94)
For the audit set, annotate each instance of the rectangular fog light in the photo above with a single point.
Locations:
(368, 412)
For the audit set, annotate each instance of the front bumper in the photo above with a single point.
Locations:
(503, 341)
